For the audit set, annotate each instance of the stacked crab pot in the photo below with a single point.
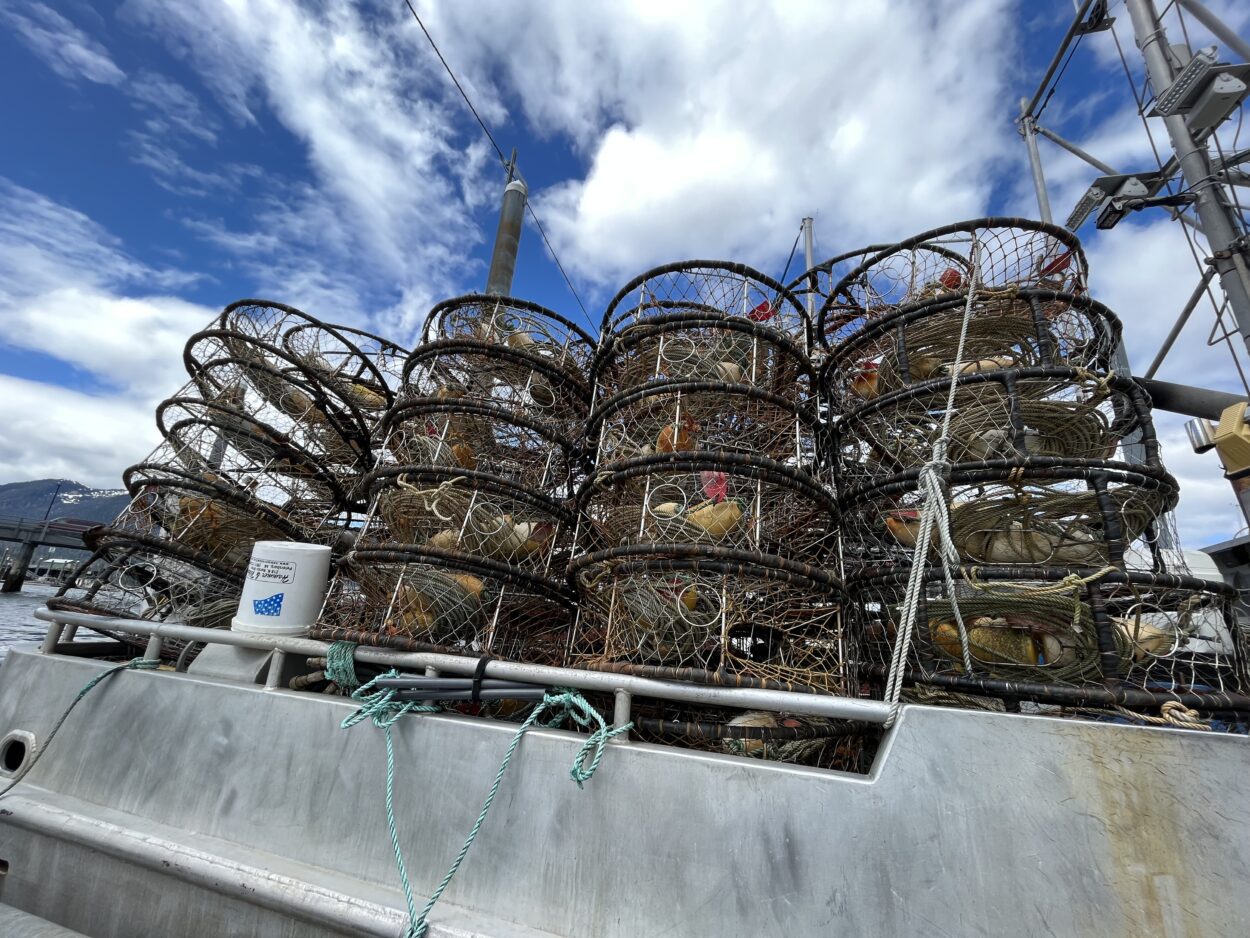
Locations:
(706, 521)
(470, 522)
(268, 441)
(974, 351)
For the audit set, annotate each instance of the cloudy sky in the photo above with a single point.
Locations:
(163, 158)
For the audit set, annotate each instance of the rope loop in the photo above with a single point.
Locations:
(340, 666)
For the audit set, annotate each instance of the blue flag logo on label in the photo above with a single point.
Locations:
(271, 606)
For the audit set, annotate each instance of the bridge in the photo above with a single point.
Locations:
(57, 532)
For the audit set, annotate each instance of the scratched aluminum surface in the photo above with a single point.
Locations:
(970, 823)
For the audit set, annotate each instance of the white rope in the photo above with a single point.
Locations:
(934, 513)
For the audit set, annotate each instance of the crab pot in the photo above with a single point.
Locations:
(708, 287)
(1008, 254)
(358, 367)
(515, 382)
(686, 342)
(215, 441)
(271, 385)
(472, 435)
(133, 575)
(506, 322)
(444, 601)
(471, 514)
(730, 500)
(1133, 638)
(710, 615)
(919, 343)
(705, 417)
(797, 739)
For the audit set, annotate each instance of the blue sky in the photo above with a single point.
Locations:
(161, 159)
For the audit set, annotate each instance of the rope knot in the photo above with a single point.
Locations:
(566, 703)
(341, 665)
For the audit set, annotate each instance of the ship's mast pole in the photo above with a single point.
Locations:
(508, 235)
(809, 255)
(1028, 128)
(1226, 245)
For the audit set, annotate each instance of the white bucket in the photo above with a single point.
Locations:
(285, 586)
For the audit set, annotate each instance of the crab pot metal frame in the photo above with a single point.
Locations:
(216, 441)
(705, 417)
(516, 383)
(447, 601)
(472, 514)
(517, 324)
(1009, 252)
(135, 575)
(702, 285)
(1129, 638)
(710, 615)
(688, 342)
(358, 366)
(733, 500)
(1020, 328)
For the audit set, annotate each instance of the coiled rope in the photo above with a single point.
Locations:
(384, 709)
(134, 664)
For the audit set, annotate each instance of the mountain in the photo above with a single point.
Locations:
(33, 499)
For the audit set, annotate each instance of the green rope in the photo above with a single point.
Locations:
(563, 703)
(340, 666)
(136, 663)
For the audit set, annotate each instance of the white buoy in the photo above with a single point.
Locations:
(285, 586)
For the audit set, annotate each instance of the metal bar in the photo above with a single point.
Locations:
(809, 257)
(1035, 162)
(1187, 400)
(1219, 29)
(1217, 221)
(1183, 318)
(1074, 150)
(273, 676)
(1031, 105)
(838, 708)
(53, 636)
(507, 238)
(622, 705)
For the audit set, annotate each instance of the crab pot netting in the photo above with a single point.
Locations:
(469, 514)
(1008, 253)
(1032, 635)
(464, 434)
(269, 384)
(815, 284)
(721, 500)
(515, 384)
(134, 575)
(688, 344)
(358, 367)
(443, 600)
(1020, 329)
(515, 324)
(697, 288)
(758, 734)
(710, 615)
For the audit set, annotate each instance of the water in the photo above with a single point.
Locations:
(17, 615)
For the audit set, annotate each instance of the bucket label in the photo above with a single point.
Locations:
(272, 606)
(271, 571)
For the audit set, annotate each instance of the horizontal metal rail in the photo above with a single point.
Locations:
(838, 708)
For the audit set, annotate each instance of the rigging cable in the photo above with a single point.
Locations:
(502, 159)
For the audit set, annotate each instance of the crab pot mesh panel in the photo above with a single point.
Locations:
(444, 601)
(461, 434)
(689, 344)
(469, 513)
(358, 367)
(516, 324)
(919, 344)
(708, 287)
(1135, 639)
(704, 417)
(137, 576)
(513, 383)
(731, 501)
(813, 286)
(711, 615)
(758, 734)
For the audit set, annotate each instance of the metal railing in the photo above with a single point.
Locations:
(622, 686)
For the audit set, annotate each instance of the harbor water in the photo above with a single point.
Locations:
(17, 615)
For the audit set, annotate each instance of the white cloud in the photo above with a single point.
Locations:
(705, 138)
(65, 48)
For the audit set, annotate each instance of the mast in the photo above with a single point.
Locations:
(508, 234)
(809, 257)
(1218, 222)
